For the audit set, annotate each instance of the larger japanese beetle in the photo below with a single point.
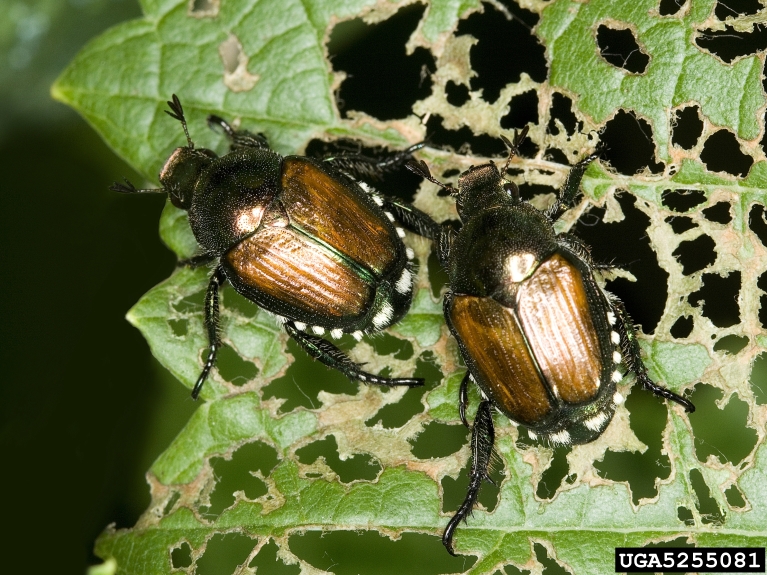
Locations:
(540, 338)
(299, 237)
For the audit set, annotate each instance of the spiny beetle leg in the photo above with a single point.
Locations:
(211, 326)
(327, 353)
(633, 359)
(482, 441)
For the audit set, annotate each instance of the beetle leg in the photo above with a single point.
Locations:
(411, 218)
(196, 261)
(212, 326)
(633, 358)
(328, 354)
(365, 167)
(238, 138)
(482, 440)
(566, 196)
(463, 398)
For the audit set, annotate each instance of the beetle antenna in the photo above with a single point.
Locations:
(513, 147)
(420, 168)
(177, 113)
(128, 188)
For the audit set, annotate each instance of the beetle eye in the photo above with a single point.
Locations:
(511, 189)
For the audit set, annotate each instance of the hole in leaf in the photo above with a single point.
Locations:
(529, 191)
(562, 110)
(512, 570)
(456, 94)
(438, 278)
(357, 467)
(352, 552)
(682, 327)
(523, 110)
(397, 414)
(181, 556)
(201, 8)
(627, 245)
(731, 344)
(387, 344)
(552, 477)
(233, 368)
(191, 304)
(685, 515)
(266, 561)
(236, 474)
(303, 381)
(721, 153)
(180, 327)
(670, 7)
(736, 8)
(718, 213)
(720, 298)
(680, 224)
(556, 155)
(757, 223)
(687, 127)
(224, 553)
(463, 140)
(730, 44)
(682, 200)
(706, 504)
(678, 542)
(629, 144)
(619, 47)
(734, 497)
(695, 255)
(722, 433)
(400, 183)
(374, 59)
(550, 566)
(758, 379)
(454, 490)
(648, 419)
(496, 56)
(171, 502)
(439, 440)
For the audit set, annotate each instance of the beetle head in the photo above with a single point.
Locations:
(181, 172)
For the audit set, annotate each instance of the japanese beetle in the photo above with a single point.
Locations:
(540, 338)
(299, 237)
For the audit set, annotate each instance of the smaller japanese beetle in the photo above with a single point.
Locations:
(299, 237)
(540, 338)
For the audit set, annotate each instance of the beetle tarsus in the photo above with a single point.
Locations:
(365, 167)
(211, 326)
(482, 441)
(238, 138)
(325, 352)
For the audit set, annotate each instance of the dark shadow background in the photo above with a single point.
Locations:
(84, 409)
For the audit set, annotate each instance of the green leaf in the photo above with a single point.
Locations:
(263, 64)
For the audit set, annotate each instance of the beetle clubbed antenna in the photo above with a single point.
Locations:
(129, 188)
(177, 113)
(420, 168)
(513, 147)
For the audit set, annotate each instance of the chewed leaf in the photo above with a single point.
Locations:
(282, 450)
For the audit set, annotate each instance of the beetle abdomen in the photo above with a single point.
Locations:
(540, 356)
(297, 271)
